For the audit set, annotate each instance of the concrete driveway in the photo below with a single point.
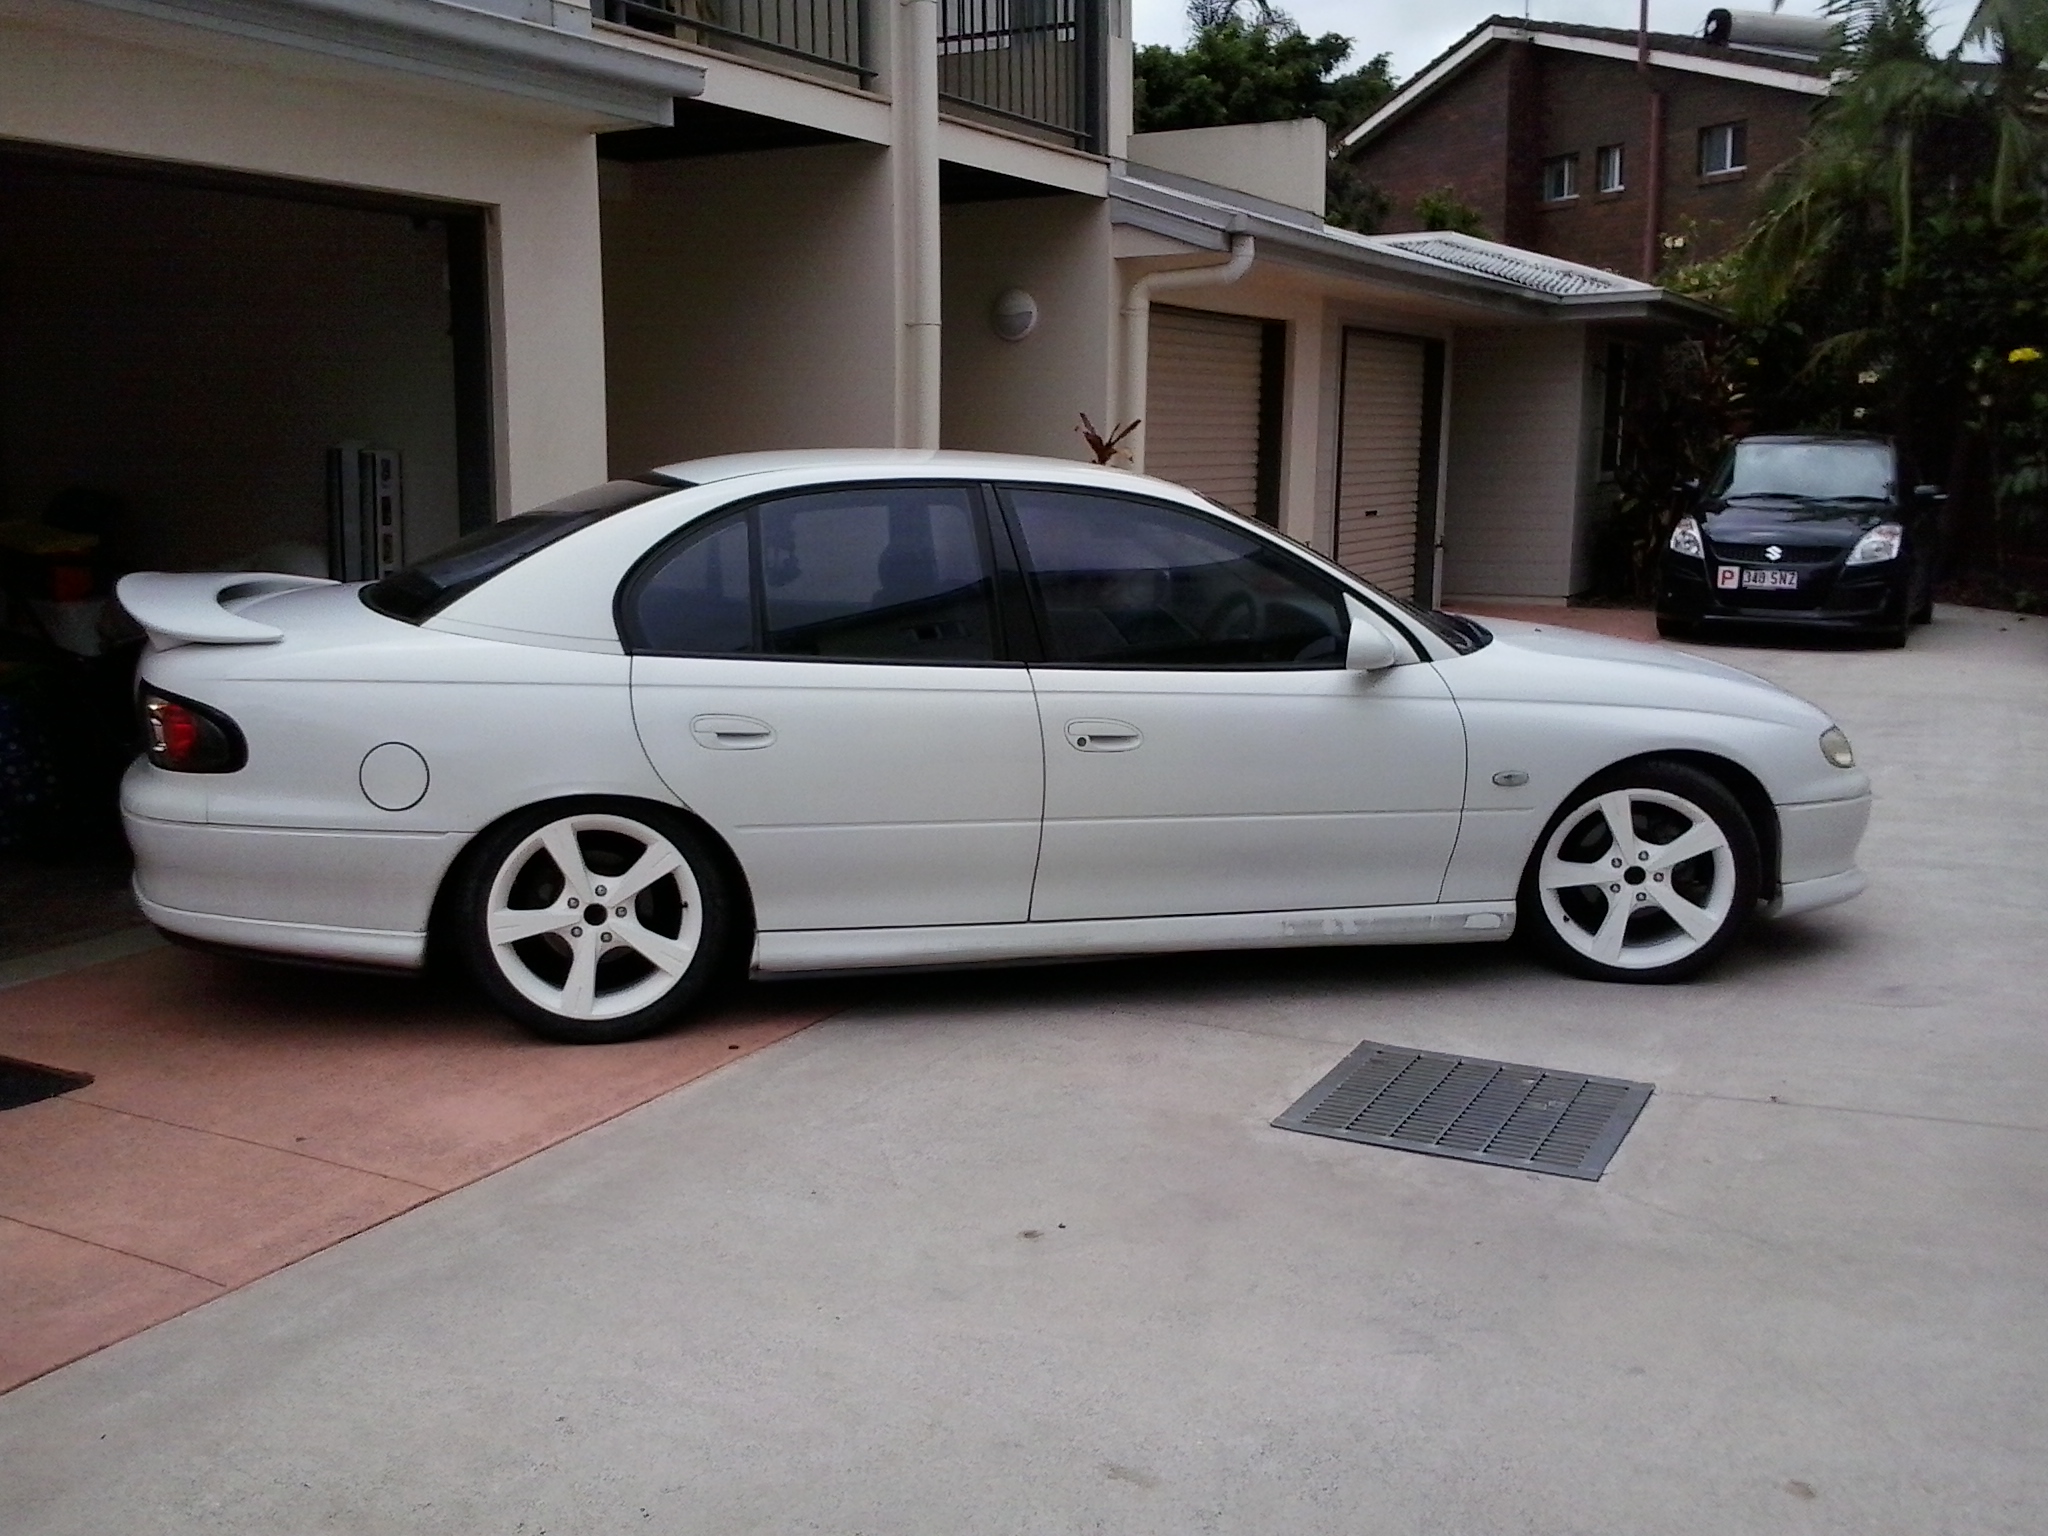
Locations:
(1019, 1252)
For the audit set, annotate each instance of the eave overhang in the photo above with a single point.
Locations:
(558, 66)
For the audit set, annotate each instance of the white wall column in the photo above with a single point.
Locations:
(914, 108)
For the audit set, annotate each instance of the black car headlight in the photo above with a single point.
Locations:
(1685, 538)
(1880, 544)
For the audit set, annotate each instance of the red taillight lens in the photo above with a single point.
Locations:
(189, 738)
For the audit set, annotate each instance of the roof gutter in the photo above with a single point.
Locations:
(560, 66)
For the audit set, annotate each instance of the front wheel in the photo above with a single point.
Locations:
(1647, 875)
(592, 922)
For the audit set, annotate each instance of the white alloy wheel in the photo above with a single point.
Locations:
(1646, 879)
(591, 917)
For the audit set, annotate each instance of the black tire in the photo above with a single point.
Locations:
(1676, 629)
(1566, 921)
(594, 970)
(1924, 614)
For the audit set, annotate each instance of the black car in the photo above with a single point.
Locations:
(1815, 530)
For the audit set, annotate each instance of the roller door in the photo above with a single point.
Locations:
(1381, 488)
(1208, 421)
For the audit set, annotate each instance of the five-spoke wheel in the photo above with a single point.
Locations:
(593, 923)
(1646, 875)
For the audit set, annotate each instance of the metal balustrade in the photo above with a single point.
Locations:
(821, 32)
(1030, 65)
(1035, 65)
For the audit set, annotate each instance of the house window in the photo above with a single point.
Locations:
(1724, 148)
(1607, 168)
(1560, 178)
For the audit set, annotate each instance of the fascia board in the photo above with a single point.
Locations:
(1419, 89)
(451, 43)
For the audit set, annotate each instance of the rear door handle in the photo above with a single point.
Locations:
(1103, 735)
(732, 733)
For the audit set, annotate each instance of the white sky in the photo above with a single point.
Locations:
(1416, 31)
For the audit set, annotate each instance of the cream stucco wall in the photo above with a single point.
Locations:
(268, 114)
(1517, 473)
(1025, 396)
(1284, 163)
(749, 304)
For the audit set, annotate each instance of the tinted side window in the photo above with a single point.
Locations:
(1135, 583)
(884, 573)
(699, 600)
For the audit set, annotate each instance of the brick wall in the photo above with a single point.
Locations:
(1457, 138)
(1487, 133)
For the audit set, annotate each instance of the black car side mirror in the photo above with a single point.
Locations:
(1930, 493)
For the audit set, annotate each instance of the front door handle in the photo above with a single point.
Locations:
(1103, 735)
(732, 733)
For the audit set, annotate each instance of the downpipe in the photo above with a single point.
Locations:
(914, 93)
(1137, 329)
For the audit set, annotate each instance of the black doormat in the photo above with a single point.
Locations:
(23, 1082)
(1482, 1111)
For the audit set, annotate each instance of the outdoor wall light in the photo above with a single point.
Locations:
(1014, 315)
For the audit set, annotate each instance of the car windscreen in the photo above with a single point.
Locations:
(418, 591)
(1808, 471)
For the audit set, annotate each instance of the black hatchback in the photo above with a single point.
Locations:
(1813, 530)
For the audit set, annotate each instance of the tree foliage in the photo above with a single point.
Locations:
(1442, 208)
(1248, 62)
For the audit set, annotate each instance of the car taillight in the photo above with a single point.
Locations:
(187, 737)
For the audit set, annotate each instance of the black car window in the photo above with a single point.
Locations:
(867, 573)
(418, 591)
(1123, 582)
(1807, 471)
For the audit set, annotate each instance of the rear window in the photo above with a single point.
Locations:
(418, 591)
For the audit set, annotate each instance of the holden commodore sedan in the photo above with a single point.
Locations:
(1814, 531)
(816, 712)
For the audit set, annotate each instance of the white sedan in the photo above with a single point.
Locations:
(835, 711)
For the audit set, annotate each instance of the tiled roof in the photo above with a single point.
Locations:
(1525, 269)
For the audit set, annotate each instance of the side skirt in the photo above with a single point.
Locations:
(855, 949)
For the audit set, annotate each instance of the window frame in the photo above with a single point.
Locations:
(1615, 155)
(1735, 134)
(1569, 165)
(1002, 639)
(1232, 522)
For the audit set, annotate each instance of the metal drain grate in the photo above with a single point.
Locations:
(23, 1082)
(1481, 1111)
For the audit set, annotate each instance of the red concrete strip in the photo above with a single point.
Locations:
(63, 1298)
(224, 1210)
(243, 1116)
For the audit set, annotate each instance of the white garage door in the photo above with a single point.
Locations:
(1379, 459)
(1202, 404)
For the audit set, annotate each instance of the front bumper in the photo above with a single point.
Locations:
(1817, 844)
(1832, 596)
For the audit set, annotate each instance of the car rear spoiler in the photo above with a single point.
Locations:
(198, 609)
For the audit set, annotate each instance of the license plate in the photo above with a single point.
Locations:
(1760, 579)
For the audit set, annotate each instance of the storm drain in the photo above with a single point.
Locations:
(23, 1082)
(1482, 1111)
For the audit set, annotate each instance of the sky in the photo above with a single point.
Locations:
(1416, 31)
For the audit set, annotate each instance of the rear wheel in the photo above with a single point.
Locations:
(594, 922)
(1646, 875)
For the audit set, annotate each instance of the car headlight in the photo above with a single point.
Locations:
(1685, 539)
(1878, 545)
(1834, 746)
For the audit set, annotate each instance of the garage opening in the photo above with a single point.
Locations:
(1389, 424)
(1214, 392)
(200, 371)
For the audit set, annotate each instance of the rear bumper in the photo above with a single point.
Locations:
(372, 947)
(336, 897)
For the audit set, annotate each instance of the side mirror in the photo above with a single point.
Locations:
(1369, 647)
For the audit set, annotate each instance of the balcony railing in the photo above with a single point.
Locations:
(826, 33)
(1034, 65)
